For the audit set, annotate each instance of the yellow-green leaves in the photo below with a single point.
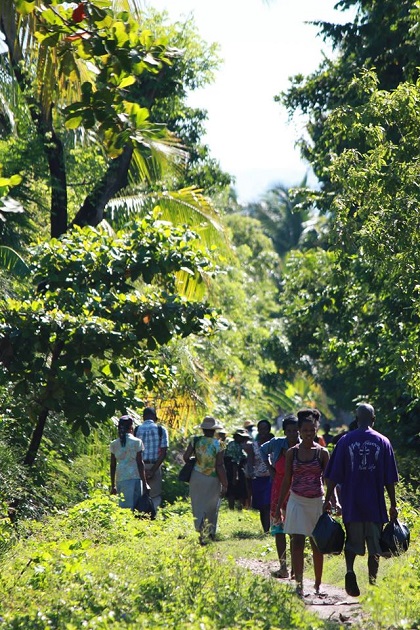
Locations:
(25, 7)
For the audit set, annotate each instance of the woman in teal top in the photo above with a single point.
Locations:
(208, 479)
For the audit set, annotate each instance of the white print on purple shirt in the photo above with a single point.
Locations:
(364, 455)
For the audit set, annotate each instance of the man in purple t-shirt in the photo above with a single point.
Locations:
(363, 464)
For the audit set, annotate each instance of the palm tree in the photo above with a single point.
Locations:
(282, 217)
(60, 69)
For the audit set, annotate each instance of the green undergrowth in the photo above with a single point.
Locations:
(394, 602)
(97, 567)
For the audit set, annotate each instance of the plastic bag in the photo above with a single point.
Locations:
(395, 538)
(145, 506)
(328, 534)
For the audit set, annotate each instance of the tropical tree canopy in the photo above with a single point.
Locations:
(351, 316)
(83, 344)
(102, 77)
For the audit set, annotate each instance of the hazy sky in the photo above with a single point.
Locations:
(262, 44)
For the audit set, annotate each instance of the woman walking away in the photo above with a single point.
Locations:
(235, 462)
(260, 474)
(128, 478)
(208, 479)
(274, 455)
(305, 466)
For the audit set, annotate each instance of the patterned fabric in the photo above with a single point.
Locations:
(148, 432)
(307, 476)
(260, 469)
(206, 449)
(235, 452)
(126, 457)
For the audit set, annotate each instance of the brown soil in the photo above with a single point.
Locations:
(332, 604)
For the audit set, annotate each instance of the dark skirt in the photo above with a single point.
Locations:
(235, 491)
(261, 492)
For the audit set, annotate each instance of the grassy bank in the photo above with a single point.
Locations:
(96, 567)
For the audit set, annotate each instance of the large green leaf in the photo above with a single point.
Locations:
(12, 261)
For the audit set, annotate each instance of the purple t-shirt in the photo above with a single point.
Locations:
(363, 463)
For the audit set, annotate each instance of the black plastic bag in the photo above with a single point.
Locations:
(186, 471)
(328, 534)
(145, 506)
(395, 538)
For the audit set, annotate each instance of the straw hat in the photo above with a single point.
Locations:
(242, 432)
(210, 423)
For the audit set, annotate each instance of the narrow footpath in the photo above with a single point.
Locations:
(333, 604)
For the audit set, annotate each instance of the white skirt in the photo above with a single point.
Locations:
(302, 514)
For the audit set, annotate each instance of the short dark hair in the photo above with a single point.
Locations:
(288, 420)
(149, 413)
(264, 421)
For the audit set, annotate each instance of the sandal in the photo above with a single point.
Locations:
(281, 573)
(299, 590)
(351, 584)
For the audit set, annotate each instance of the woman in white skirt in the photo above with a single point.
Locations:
(208, 480)
(305, 465)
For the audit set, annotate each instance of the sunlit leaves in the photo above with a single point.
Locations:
(103, 302)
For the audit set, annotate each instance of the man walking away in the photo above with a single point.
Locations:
(363, 463)
(155, 439)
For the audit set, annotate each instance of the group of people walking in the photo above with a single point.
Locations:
(286, 476)
(136, 459)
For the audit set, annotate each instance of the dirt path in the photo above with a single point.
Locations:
(333, 604)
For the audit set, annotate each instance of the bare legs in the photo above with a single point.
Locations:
(298, 547)
(265, 518)
(373, 566)
(318, 559)
(281, 553)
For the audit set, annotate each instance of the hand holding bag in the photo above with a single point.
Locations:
(186, 471)
(328, 534)
(395, 538)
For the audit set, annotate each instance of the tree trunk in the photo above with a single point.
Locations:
(115, 179)
(36, 438)
(38, 432)
(58, 213)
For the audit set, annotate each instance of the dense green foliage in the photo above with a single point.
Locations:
(318, 291)
(98, 92)
(350, 302)
(80, 343)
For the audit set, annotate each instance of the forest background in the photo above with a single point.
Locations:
(131, 275)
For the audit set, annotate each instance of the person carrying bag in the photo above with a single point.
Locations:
(208, 479)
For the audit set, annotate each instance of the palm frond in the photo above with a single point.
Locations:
(13, 262)
(183, 207)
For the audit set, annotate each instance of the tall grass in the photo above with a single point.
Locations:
(97, 567)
